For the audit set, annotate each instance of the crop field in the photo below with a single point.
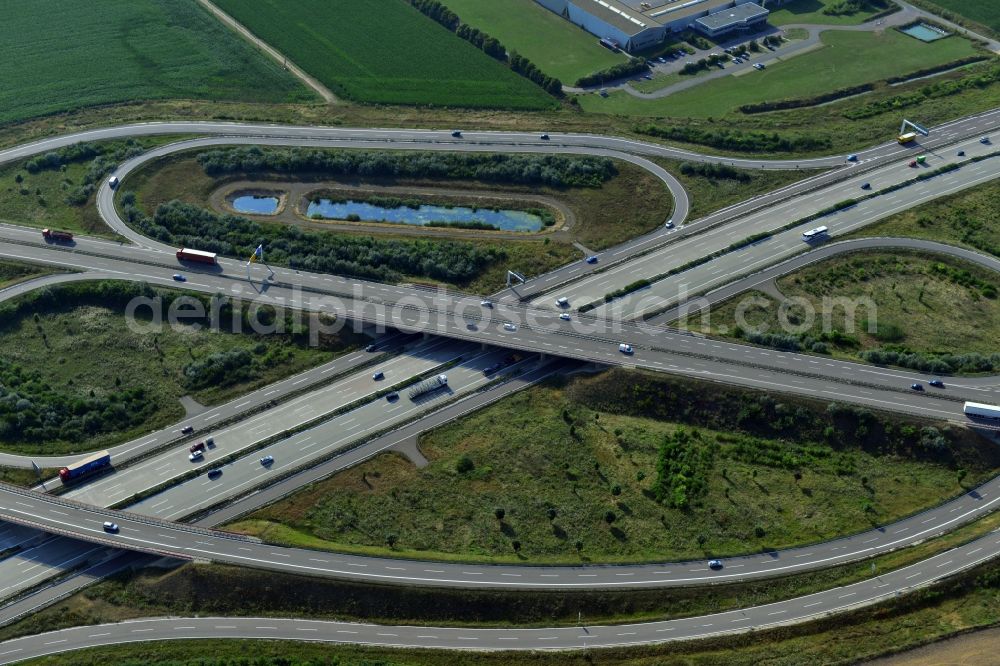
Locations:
(844, 61)
(65, 54)
(555, 45)
(984, 12)
(389, 55)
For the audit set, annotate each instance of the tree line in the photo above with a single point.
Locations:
(728, 139)
(489, 45)
(517, 169)
(631, 67)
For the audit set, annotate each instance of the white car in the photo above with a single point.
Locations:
(625, 349)
(486, 304)
(111, 527)
(113, 182)
(565, 316)
(195, 456)
(509, 327)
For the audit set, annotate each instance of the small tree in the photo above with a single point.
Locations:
(610, 517)
(579, 546)
(516, 545)
(499, 513)
(552, 513)
(391, 539)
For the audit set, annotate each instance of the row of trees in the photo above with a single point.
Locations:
(516, 169)
(489, 45)
(714, 171)
(631, 67)
(980, 79)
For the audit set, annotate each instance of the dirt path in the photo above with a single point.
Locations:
(278, 56)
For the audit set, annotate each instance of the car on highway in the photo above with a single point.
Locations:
(544, 137)
(179, 278)
(200, 446)
(457, 134)
(852, 158)
(378, 376)
(715, 565)
(961, 153)
(592, 259)
(267, 460)
(936, 383)
(985, 140)
(195, 456)
(187, 430)
(562, 302)
(913, 164)
(486, 304)
(392, 397)
(759, 66)
(110, 527)
(917, 386)
(866, 186)
(509, 327)
(669, 224)
(493, 368)
(113, 182)
(625, 349)
(565, 316)
(214, 473)
(210, 441)
(370, 348)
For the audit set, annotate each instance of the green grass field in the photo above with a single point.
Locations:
(811, 11)
(555, 45)
(389, 55)
(92, 349)
(13, 272)
(65, 54)
(844, 61)
(984, 12)
(542, 450)
(910, 296)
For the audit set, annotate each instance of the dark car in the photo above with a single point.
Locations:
(493, 368)
(866, 186)
(985, 140)
(187, 430)
(378, 376)
(179, 278)
(267, 460)
(545, 137)
(592, 259)
(961, 153)
(917, 386)
(715, 565)
(392, 397)
(200, 446)
(210, 441)
(370, 348)
(214, 473)
(456, 134)
(936, 383)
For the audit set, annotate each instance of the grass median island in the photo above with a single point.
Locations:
(632, 467)
(968, 219)
(394, 55)
(72, 54)
(14, 272)
(905, 303)
(75, 377)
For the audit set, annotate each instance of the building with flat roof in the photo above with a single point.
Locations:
(744, 18)
(637, 24)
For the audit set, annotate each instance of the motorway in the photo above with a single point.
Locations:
(683, 349)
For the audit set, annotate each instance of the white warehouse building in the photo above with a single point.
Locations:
(636, 24)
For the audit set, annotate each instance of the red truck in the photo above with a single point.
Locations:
(57, 236)
(197, 256)
(89, 464)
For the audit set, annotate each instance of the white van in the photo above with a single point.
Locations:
(113, 182)
(562, 302)
(814, 234)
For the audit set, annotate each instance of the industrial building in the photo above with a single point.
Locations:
(635, 25)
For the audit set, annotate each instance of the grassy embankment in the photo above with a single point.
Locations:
(413, 60)
(576, 471)
(121, 50)
(555, 45)
(916, 297)
(73, 347)
(844, 62)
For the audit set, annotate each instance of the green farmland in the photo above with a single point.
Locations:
(984, 12)
(392, 55)
(65, 54)
(844, 61)
(555, 45)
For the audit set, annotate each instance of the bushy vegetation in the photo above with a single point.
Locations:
(630, 68)
(981, 79)
(715, 171)
(763, 107)
(550, 170)
(682, 469)
(938, 364)
(849, 7)
(104, 158)
(735, 140)
(394, 55)
(357, 256)
(78, 55)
